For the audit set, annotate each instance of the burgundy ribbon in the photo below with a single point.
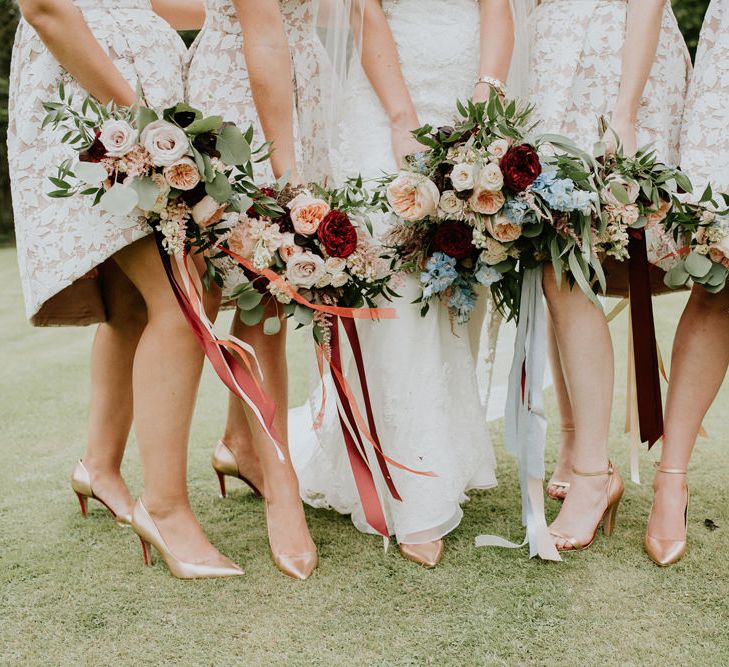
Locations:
(222, 360)
(645, 349)
(363, 478)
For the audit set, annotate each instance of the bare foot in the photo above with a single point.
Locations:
(668, 513)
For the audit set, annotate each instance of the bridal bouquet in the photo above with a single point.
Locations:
(308, 249)
(482, 201)
(174, 168)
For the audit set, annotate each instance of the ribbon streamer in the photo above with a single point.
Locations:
(525, 427)
(645, 355)
(238, 379)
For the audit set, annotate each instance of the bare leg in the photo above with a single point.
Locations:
(110, 415)
(288, 532)
(563, 469)
(167, 368)
(586, 351)
(698, 367)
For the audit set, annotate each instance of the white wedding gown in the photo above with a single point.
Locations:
(421, 371)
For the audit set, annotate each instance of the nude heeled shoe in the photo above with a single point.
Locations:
(81, 485)
(428, 555)
(224, 463)
(297, 566)
(667, 552)
(150, 536)
(614, 493)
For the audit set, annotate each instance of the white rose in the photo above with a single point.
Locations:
(339, 279)
(118, 137)
(305, 269)
(336, 265)
(450, 204)
(166, 143)
(164, 189)
(462, 177)
(490, 178)
(497, 149)
(413, 197)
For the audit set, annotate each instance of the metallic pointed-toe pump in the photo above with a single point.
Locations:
(225, 464)
(667, 552)
(81, 485)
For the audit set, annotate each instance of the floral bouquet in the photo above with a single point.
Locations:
(480, 204)
(705, 261)
(180, 172)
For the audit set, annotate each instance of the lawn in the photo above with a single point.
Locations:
(74, 592)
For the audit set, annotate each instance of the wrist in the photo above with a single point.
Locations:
(405, 119)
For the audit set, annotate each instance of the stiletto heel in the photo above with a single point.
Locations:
(150, 536)
(615, 489)
(81, 485)
(82, 502)
(146, 551)
(667, 552)
(224, 463)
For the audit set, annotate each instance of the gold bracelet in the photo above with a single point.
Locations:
(496, 84)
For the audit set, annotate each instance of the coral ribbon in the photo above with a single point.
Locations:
(238, 379)
(648, 386)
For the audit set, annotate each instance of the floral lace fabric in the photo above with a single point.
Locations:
(59, 241)
(576, 64)
(705, 134)
(421, 371)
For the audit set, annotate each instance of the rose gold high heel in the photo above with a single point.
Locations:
(296, 566)
(150, 536)
(224, 463)
(81, 485)
(428, 555)
(615, 489)
(667, 552)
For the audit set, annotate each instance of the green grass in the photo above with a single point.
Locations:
(74, 592)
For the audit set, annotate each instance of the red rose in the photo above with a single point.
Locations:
(521, 167)
(454, 238)
(94, 153)
(337, 234)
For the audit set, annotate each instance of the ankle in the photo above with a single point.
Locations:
(101, 466)
(164, 507)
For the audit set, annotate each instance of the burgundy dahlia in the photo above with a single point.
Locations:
(94, 153)
(454, 238)
(521, 167)
(337, 234)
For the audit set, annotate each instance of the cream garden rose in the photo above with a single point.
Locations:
(307, 212)
(183, 174)
(305, 269)
(450, 205)
(288, 247)
(490, 177)
(462, 177)
(497, 149)
(164, 189)
(412, 196)
(118, 137)
(486, 202)
(166, 143)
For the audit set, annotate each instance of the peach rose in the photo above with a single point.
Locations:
(486, 202)
(182, 174)
(503, 229)
(288, 247)
(241, 240)
(307, 212)
(207, 211)
(719, 252)
(413, 197)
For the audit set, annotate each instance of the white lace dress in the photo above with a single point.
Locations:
(705, 135)
(61, 241)
(576, 64)
(217, 80)
(421, 371)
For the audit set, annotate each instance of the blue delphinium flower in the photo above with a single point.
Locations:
(515, 210)
(561, 194)
(487, 275)
(462, 302)
(440, 273)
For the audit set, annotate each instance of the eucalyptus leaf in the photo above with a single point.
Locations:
(147, 191)
(92, 173)
(303, 315)
(676, 277)
(119, 199)
(271, 326)
(202, 125)
(219, 189)
(249, 299)
(253, 316)
(698, 265)
(232, 146)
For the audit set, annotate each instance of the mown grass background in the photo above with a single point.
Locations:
(74, 592)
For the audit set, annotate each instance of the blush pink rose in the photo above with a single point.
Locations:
(307, 212)
(413, 197)
(503, 229)
(486, 202)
